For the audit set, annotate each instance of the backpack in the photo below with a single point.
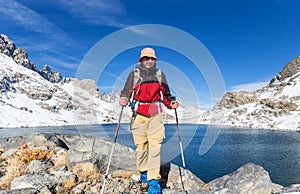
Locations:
(138, 79)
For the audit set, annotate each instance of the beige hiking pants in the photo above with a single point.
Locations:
(148, 134)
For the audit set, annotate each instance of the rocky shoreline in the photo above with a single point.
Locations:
(57, 163)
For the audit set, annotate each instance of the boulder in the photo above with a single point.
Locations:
(250, 179)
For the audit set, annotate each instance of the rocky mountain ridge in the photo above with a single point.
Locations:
(20, 56)
(275, 106)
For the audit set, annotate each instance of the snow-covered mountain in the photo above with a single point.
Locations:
(33, 98)
(275, 106)
(27, 99)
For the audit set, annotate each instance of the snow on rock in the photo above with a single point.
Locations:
(275, 106)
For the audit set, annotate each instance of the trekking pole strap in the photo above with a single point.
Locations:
(177, 121)
(118, 125)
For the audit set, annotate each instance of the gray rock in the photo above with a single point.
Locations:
(87, 148)
(249, 178)
(35, 181)
(295, 188)
(175, 178)
(37, 166)
(98, 160)
(18, 191)
(170, 191)
(57, 141)
(61, 176)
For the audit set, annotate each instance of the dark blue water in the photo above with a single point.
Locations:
(276, 151)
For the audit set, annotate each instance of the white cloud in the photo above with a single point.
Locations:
(248, 87)
(31, 20)
(56, 63)
(107, 89)
(100, 12)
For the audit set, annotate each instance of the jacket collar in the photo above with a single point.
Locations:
(145, 71)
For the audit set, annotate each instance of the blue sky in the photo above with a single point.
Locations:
(250, 40)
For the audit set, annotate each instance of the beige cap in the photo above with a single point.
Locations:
(147, 52)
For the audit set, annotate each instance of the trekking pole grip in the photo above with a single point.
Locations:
(173, 98)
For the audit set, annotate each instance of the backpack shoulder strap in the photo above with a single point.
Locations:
(136, 78)
(159, 76)
(159, 79)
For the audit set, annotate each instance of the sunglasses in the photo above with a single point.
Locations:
(148, 58)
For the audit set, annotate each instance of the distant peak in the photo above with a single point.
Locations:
(288, 71)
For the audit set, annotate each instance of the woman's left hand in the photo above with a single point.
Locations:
(174, 104)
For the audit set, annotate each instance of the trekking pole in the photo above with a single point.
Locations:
(181, 149)
(112, 150)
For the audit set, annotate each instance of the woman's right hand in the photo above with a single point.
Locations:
(123, 101)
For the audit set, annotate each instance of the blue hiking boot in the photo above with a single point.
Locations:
(154, 187)
(144, 185)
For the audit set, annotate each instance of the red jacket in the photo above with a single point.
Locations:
(147, 91)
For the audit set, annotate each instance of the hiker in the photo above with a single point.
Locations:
(146, 89)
